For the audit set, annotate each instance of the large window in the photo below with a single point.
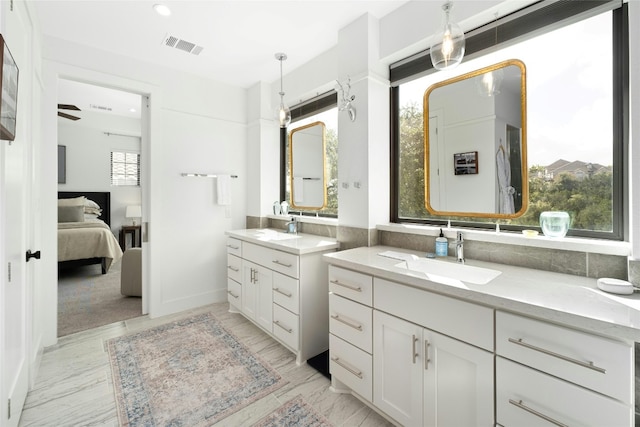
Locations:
(575, 122)
(325, 111)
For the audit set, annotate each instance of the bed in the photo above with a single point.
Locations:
(84, 233)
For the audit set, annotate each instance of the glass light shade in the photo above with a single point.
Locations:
(490, 83)
(448, 47)
(283, 115)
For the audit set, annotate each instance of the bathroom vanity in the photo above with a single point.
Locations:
(507, 346)
(279, 281)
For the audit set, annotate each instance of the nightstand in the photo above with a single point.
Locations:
(136, 236)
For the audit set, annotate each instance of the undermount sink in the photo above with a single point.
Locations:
(442, 271)
(273, 235)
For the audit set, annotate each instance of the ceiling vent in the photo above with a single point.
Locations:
(180, 44)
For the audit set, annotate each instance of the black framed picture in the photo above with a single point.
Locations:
(62, 164)
(9, 93)
(465, 163)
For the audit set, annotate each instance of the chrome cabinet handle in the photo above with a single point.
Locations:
(275, 261)
(589, 365)
(426, 355)
(233, 295)
(547, 418)
(344, 285)
(277, 323)
(232, 268)
(233, 247)
(349, 323)
(286, 294)
(414, 353)
(347, 367)
(252, 278)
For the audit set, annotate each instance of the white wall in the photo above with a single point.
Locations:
(89, 143)
(195, 126)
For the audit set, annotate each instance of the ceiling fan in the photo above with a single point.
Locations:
(68, 107)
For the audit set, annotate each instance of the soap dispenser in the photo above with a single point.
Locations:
(442, 245)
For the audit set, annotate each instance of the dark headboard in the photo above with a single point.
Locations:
(102, 198)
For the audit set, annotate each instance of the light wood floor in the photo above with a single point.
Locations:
(74, 385)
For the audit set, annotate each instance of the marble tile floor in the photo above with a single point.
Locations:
(74, 385)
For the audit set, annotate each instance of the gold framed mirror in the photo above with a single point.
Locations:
(475, 143)
(307, 166)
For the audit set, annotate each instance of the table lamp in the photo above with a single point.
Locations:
(133, 212)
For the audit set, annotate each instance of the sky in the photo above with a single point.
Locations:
(569, 91)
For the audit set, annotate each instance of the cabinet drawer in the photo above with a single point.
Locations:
(279, 261)
(350, 284)
(234, 293)
(351, 366)
(462, 320)
(234, 267)
(520, 391)
(591, 361)
(285, 292)
(234, 246)
(351, 321)
(285, 326)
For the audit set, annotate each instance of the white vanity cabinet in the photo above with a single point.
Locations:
(427, 377)
(563, 376)
(283, 286)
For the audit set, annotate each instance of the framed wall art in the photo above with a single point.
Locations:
(465, 163)
(9, 92)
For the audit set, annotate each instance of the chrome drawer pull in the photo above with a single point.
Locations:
(589, 365)
(286, 294)
(233, 247)
(348, 368)
(347, 322)
(520, 405)
(344, 285)
(426, 355)
(275, 261)
(232, 268)
(232, 294)
(277, 323)
(414, 353)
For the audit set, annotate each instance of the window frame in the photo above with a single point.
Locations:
(512, 28)
(111, 174)
(318, 104)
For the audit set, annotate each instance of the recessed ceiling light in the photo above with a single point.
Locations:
(161, 9)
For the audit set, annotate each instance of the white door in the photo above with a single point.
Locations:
(397, 368)
(16, 224)
(458, 383)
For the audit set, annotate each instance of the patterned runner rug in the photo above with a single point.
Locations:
(191, 372)
(295, 413)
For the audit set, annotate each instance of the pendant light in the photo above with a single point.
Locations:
(283, 115)
(490, 83)
(447, 49)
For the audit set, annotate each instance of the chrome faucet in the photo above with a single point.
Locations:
(292, 226)
(460, 248)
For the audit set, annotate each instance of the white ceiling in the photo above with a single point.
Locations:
(239, 37)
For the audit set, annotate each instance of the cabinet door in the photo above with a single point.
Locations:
(263, 278)
(257, 298)
(249, 290)
(397, 368)
(458, 382)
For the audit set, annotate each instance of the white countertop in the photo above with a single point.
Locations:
(560, 298)
(298, 244)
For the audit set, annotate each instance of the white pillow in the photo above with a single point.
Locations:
(88, 203)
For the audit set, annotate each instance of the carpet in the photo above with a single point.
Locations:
(88, 299)
(295, 413)
(191, 372)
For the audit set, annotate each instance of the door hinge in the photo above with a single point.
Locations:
(11, 6)
(8, 409)
(9, 272)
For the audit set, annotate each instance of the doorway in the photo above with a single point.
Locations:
(99, 128)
